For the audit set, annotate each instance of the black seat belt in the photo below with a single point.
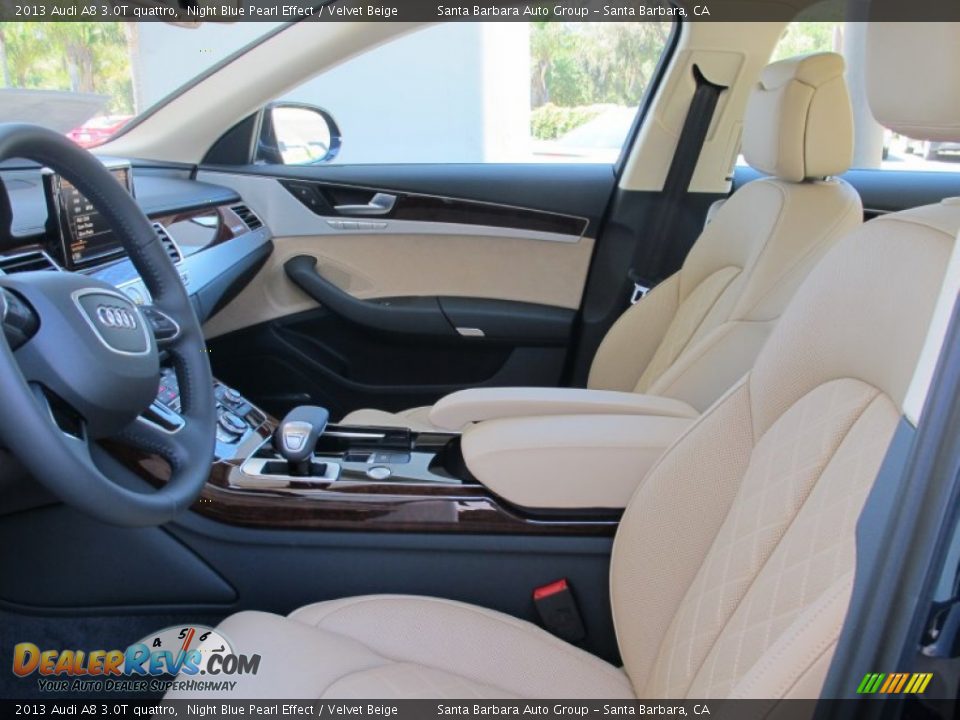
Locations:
(692, 137)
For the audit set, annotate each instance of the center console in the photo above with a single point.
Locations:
(237, 419)
(351, 478)
(361, 455)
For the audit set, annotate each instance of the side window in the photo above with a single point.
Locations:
(876, 146)
(485, 93)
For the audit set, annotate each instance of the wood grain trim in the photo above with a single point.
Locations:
(321, 198)
(370, 507)
(230, 225)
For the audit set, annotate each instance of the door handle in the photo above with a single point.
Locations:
(380, 204)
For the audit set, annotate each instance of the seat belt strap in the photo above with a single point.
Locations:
(685, 158)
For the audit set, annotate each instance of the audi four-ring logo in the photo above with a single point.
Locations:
(116, 317)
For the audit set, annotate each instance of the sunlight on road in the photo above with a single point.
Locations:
(946, 162)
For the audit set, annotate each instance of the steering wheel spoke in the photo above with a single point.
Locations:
(61, 414)
(153, 433)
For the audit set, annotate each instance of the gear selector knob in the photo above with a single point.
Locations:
(296, 436)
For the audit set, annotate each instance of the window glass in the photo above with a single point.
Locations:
(801, 38)
(491, 92)
(876, 146)
(89, 79)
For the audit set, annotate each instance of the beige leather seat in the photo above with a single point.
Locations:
(733, 565)
(700, 330)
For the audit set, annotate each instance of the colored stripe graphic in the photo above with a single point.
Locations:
(891, 680)
(903, 681)
(870, 683)
(894, 683)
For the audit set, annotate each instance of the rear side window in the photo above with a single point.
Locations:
(500, 92)
(876, 146)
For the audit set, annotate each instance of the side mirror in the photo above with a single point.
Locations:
(296, 134)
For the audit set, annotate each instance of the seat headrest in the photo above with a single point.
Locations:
(913, 78)
(799, 123)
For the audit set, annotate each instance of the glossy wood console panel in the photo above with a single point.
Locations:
(388, 506)
(199, 229)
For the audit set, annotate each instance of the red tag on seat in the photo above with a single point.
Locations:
(551, 589)
(558, 611)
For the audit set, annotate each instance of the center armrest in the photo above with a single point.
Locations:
(476, 405)
(569, 461)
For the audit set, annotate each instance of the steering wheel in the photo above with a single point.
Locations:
(79, 361)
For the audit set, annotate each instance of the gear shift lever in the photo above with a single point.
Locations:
(296, 437)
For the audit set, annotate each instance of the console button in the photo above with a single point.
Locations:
(232, 423)
(379, 472)
(393, 458)
(243, 409)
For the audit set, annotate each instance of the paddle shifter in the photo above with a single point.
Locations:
(296, 438)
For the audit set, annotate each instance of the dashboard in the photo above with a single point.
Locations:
(214, 239)
(217, 241)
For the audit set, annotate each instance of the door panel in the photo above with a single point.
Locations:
(431, 317)
(578, 189)
(429, 260)
(387, 295)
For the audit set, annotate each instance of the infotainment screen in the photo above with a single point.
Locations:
(86, 236)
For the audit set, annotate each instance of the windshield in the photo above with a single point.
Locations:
(89, 79)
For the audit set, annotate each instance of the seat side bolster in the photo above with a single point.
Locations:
(632, 340)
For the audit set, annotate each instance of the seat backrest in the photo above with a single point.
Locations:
(700, 330)
(734, 561)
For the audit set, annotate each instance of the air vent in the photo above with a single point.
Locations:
(168, 243)
(26, 262)
(248, 216)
